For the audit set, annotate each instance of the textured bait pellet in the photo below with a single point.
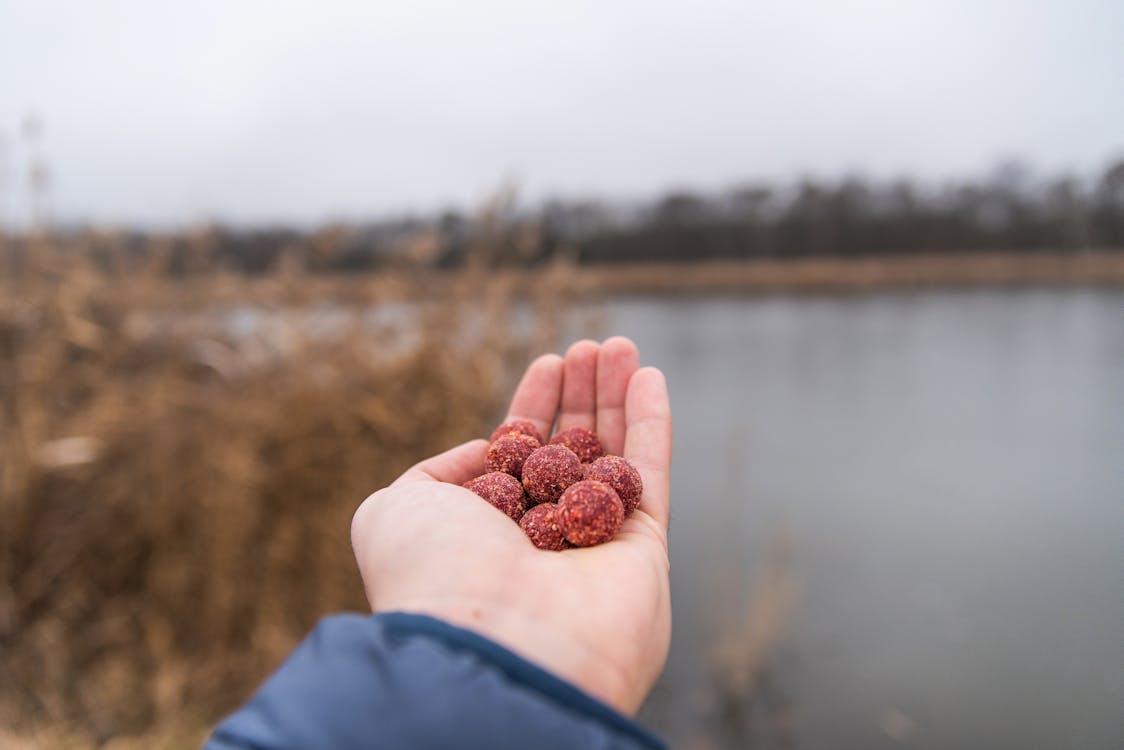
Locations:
(508, 453)
(550, 470)
(518, 427)
(585, 444)
(540, 524)
(621, 476)
(589, 513)
(501, 490)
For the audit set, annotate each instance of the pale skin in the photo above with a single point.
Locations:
(599, 617)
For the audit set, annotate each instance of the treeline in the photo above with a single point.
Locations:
(857, 218)
(848, 218)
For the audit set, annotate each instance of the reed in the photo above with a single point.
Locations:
(180, 458)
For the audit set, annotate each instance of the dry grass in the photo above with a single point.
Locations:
(749, 700)
(176, 487)
(1099, 268)
(1102, 268)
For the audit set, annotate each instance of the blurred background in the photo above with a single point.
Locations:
(877, 247)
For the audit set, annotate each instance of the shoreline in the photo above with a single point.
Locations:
(562, 280)
(1103, 268)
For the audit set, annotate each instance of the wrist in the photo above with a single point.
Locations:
(536, 639)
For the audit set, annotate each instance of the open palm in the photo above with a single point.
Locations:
(600, 616)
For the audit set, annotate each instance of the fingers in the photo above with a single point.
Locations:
(648, 440)
(617, 360)
(456, 465)
(579, 386)
(538, 394)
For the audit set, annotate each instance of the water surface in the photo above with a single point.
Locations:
(948, 471)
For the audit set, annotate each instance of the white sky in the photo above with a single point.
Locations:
(167, 113)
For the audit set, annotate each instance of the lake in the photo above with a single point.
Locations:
(927, 488)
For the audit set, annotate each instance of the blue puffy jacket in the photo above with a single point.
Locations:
(408, 681)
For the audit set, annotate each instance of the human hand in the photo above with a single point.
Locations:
(599, 617)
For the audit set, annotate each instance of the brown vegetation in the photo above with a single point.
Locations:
(752, 704)
(176, 484)
(1104, 268)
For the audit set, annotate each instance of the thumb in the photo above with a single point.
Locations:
(456, 465)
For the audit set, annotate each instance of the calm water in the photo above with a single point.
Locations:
(948, 472)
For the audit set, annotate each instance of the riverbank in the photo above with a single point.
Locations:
(1099, 268)
(563, 280)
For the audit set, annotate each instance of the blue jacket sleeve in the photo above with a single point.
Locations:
(400, 680)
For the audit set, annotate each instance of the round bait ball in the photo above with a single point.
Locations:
(581, 441)
(621, 476)
(540, 524)
(550, 470)
(501, 490)
(508, 453)
(589, 513)
(518, 427)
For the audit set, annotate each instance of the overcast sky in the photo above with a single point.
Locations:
(169, 113)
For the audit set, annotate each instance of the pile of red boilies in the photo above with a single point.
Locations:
(566, 493)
